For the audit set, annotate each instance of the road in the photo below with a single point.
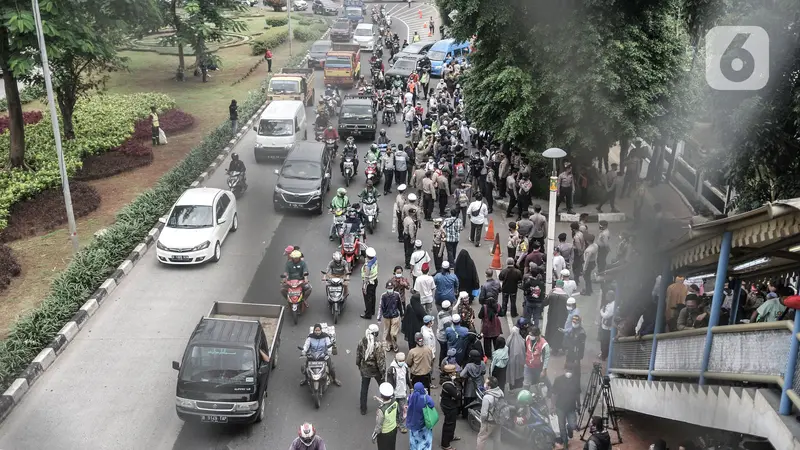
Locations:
(113, 388)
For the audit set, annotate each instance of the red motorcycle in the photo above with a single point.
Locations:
(351, 247)
(294, 296)
(372, 172)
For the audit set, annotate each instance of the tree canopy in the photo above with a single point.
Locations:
(578, 74)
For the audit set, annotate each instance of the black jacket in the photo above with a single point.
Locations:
(450, 399)
(511, 277)
(234, 111)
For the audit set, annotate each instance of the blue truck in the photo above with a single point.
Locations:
(359, 3)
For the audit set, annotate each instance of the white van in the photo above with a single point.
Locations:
(364, 36)
(281, 125)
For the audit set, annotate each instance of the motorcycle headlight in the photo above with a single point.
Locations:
(247, 406)
(202, 246)
(316, 376)
(185, 403)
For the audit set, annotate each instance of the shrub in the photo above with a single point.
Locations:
(171, 121)
(277, 21)
(270, 39)
(9, 268)
(30, 118)
(305, 34)
(304, 22)
(130, 155)
(102, 122)
(90, 267)
(45, 211)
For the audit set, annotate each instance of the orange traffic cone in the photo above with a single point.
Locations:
(496, 264)
(419, 11)
(425, 26)
(490, 231)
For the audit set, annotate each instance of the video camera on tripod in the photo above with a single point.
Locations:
(599, 387)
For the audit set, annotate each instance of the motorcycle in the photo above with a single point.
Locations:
(330, 147)
(319, 130)
(335, 292)
(294, 297)
(349, 170)
(317, 373)
(330, 105)
(236, 183)
(370, 208)
(521, 431)
(398, 105)
(351, 247)
(338, 222)
(388, 115)
(372, 172)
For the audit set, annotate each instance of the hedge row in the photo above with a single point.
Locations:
(94, 263)
(101, 123)
(26, 95)
(271, 39)
(309, 33)
(277, 21)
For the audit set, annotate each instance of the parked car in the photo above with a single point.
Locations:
(304, 178)
(299, 5)
(196, 227)
(325, 8)
(404, 67)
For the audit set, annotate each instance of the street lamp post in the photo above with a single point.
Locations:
(73, 231)
(554, 154)
(289, 17)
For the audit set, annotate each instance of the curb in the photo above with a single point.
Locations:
(564, 217)
(45, 359)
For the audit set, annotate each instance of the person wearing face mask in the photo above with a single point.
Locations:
(389, 313)
(398, 376)
(575, 343)
(565, 397)
(572, 310)
(599, 440)
(371, 362)
(420, 362)
(537, 358)
(450, 402)
(490, 412)
(319, 343)
(401, 286)
(444, 320)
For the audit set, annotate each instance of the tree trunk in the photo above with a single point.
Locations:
(66, 104)
(16, 124)
(624, 145)
(173, 6)
(181, 59)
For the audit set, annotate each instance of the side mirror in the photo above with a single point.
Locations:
(162, 219)
(255, 129)
(276, 172)
(221, 221)
(176, 365)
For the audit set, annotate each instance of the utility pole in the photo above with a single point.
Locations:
(289, 17)
(73, 232)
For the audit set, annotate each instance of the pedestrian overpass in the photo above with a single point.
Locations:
(742, 378)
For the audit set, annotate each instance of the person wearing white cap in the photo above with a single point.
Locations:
(570, 286)
(385, 432)
(456, 333)
(398, 376)
(371, 362)
(572, 308)
(444, 319)
(410, 204)
(369, 278)
(399, 203)
(446, 284)
(418, 258)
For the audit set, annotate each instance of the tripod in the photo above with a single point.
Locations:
(599, 387)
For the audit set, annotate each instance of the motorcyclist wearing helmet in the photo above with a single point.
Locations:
(331, 133)
(350, 150)
(322, 108)
(332, 91)
(354, 219)
(339, 202)
(237, 165)
(523, 414)
(307, 439)
(373, 156)
(382, 139)
(338, 268)
(318, 344)
(362, 83)
(370, 194)
(296, 269)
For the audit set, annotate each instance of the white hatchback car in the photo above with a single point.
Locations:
(197, 226)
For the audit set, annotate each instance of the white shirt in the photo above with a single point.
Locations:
(426, 287)
(429, 338)
(606, 314)
(570, 286)
(559, 264)
(409, 114)
(418, 258)
(409, 98)
(400, 390)
(479, 206)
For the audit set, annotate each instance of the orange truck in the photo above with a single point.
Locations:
(343, 65)
(292, 84)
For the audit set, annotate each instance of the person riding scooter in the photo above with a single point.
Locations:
(370, 194)
(307, 439)
(354, 219)
(338, 268)
(237, 165)
(350, 150)
(382, 139)
(296, 269)
(331, 133)
(374, 156)
(319, 343)
(322, 109)
(338, 202)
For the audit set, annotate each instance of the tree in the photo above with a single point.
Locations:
(197, 23)
(10, 56)
(585, 73)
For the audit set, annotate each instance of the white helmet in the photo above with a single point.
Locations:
(337, 256)
(371, 252)
(386, 390)
(373, 328)
(412, 197)
(565, 272)
(445, 304)
(306, 433)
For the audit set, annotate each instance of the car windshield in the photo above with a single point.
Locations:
(337, 62)
(276, 127)
(436, 55)
(320, 48)
(352, 11)
(219, 365)
(190, 216)
(356, 111)
(341, 26)
(284, 86)
(301, 170)
(363, 32)
(405, 64)
(413, 48)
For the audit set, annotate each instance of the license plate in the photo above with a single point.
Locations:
(294, 307)
(369, 218)
(214, 419)
(181, 258)
(295, 205)
(335, 288)
(348, 164)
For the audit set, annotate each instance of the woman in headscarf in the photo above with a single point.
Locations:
(499, 362)
(491, 327)
(473, 374)
(515, 368)
(412, 320)
(467, 273)
(420, 437)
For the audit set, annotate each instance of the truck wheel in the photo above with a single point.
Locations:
(262, 408)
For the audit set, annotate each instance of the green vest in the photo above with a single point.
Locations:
(389, 417)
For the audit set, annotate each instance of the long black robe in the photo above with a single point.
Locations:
(556, 317)
(412, 320)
